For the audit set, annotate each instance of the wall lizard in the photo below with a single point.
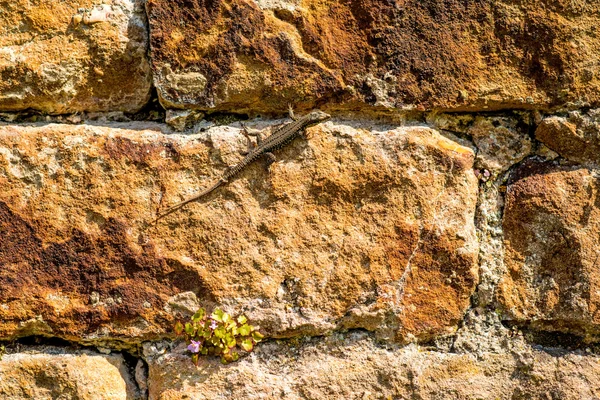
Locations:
(280, 137)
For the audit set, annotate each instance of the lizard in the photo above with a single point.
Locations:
(280, 137)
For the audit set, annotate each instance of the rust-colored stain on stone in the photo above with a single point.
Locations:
(351, 228)
(435, 292)
(257, 55)
(574, 137)
(34, 270)
(551, 282)
(124, 149)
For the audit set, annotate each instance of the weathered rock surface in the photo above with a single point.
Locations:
(52, 373)
(575, 137)
(363, 242)
(58, 60)
(551, 224)
(354, 367)
(501, 142)
(358, 227)
(258, 55)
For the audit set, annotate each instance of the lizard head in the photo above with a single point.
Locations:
(318, 116)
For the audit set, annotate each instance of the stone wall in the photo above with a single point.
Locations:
(436, 239)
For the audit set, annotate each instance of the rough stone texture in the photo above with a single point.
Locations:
(381, 238)
(51, 63)
(501, 142)
(426, 54)
(52, 373)
(575, 137)
(358, 227)
(488, 221)
(353, 367)
(551, 224)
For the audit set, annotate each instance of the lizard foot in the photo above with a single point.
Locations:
(270, 158)
(291, 112)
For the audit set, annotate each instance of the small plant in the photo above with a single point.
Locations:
(218, 334)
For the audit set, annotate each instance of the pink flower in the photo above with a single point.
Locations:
(194, 347)
(213, 325)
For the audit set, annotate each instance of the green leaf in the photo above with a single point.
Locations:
(229, 333)
(244, 330)
(219, 332)
(226, 317)
(247, 344)
(257, 336)
(217, 315)
(231, 342)
(198, 315)
(178, 328)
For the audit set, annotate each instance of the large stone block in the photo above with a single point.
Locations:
(575, 136)
(551, 230)
(357, 227)
(57, 58)
(353, 367)
(54, 373)
(259, 55)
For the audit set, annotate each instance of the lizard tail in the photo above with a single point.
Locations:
(183, 203)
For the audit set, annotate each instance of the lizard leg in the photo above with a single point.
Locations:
(226, 172)
(251, 132)
(250, 145)
(291, 112)
(270, 158)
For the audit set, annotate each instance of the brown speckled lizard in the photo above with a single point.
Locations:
(276, 140)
